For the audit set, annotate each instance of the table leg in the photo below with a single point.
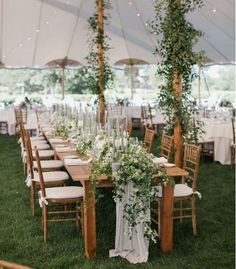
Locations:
(167, 218)
(89, 222)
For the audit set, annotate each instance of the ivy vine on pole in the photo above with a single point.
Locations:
(98, 72)
(176, 38)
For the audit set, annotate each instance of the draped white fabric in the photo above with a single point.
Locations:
(134, 249)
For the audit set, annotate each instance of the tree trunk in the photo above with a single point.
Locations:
(101, 107)
(178, 139)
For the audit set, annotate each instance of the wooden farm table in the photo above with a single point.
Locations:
(81, 173)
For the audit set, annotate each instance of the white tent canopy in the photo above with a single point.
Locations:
(34, 32)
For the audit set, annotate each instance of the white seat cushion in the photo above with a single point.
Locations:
(50, 164)
(44, 153)
(33, 138)
(52, 176)
(69, 192)
(38, 142)
(42, 146)
(180, 190)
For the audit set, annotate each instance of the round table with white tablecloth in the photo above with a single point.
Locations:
(222, 135)
(8, 115)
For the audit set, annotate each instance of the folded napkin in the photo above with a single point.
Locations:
(70, 157)
(160, 160)
(64, 149)
(76, 161)
(168, 165)
(61, 146)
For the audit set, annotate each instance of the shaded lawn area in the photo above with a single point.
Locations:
(21, 239)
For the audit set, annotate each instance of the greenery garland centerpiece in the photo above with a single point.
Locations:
(136, 166)
(175, 40)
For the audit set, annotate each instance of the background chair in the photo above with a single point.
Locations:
(62, 197)
(129, 128)
(233, 144)
(148, 139)
(166, 146)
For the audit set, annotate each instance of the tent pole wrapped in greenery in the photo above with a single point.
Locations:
(175, 40)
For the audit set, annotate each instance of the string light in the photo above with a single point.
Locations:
(130, 3)
(138, 14)
(214, 10)
(47, 22)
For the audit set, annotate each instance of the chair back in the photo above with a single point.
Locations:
(29, 154)
(41, 179)
(233, 128)
(129, 128)
(148, 139)
(191, 163)
(166, 145)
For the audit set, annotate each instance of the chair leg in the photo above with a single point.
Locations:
(194, 224)
(33, 198)
(45, 224)
(77, 215)
(159, 218)
(82, 218)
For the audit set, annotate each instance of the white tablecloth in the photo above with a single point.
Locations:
(131, 112)
(222, 135)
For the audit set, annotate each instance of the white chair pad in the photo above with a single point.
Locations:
(42, 146)
(52, 176)
(50, 164)
(180, 190)
(69, 192)
(44, 153)
(38, 142)
(33, 138)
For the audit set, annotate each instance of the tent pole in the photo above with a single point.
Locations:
(178, 139)
(62, 83)
(199, 85)
(101, 107)
(132, 82)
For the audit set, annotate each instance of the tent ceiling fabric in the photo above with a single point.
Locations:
(33, 32)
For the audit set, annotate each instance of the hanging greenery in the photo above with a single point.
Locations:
(96, 38)
(175, 40)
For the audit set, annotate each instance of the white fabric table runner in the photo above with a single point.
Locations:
(134, 249)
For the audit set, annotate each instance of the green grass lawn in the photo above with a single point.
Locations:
(21, 239)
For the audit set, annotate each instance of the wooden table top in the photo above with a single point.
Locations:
(82, 172)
